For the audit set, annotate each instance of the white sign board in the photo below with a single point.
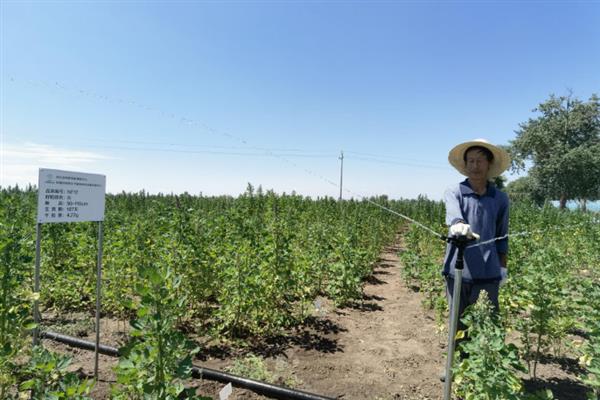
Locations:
(65, 196)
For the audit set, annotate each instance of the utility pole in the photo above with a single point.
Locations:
(341, 172)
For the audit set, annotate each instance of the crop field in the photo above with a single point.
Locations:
(240, 269)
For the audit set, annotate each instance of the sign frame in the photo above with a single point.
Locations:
(65, 197)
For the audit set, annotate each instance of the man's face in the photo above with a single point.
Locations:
(477, 164)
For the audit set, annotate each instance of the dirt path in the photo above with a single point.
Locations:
(388, 349)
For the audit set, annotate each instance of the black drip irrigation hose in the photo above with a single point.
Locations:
(82, 344)
(263, 388)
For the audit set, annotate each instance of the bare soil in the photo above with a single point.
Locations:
(386, 346)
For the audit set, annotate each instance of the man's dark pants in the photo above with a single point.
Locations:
(469, 293)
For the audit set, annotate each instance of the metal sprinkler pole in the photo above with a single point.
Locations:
(460, 242)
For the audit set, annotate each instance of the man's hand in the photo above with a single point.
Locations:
(462, 229)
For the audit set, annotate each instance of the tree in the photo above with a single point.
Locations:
(563, 143)
(524, 188)
(500, 182)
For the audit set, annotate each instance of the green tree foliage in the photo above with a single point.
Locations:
(500, 181)
(564, 145)
(526, 189)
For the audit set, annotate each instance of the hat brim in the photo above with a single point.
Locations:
(499, 164)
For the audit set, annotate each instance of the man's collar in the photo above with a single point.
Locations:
(466, 189)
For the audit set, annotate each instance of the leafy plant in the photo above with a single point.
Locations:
(252, 367)
(544, 301)
(489, 370)
(15, 293)
(158, 359)
(590, 362)
(48, 378)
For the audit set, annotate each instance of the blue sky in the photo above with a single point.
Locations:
(207, 96)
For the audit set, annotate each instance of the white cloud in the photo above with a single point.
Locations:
(19, 163)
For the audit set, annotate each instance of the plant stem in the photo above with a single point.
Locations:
(159, 363)
(537, 355)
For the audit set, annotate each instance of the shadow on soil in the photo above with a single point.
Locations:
(367, 303)
(568, 365)
(372, 297)
(373, 280)
(385, 264)
(563, 389)
(394, 248)
(312, 335)
(363, 306)
(380, 272)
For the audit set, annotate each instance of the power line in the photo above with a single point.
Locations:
(254, 154)
(176, 144)
(188, 121)
(396, 157)
(405, 164)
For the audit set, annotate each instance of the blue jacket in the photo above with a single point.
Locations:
(488, 216)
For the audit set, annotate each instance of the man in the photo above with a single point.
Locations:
(474, 208)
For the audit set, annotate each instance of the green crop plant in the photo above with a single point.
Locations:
(158, 358)
(421, 268)
(252, 367)
(590, 362)
(249, 266)
(489, 369)
(16, 296)
(543, 299)
(344, 276)
(25, 373)
(47, 378)
(589, 359)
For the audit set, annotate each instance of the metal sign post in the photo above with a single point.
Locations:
(36, 283)
(98, 293)
(65, 196)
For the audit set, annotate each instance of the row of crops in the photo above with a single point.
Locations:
(227, 267)
(254, 265)
(550, 306)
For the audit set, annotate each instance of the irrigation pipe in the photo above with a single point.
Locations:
(263, 388)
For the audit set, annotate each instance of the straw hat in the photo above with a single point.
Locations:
(499, 164)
